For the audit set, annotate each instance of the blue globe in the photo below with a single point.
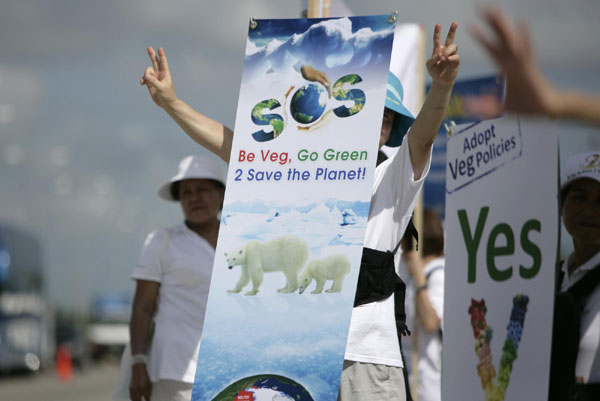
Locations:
(308, 103)
(264, 388)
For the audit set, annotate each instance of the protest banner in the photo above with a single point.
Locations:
(465, 106)
(501, 230)
(295, 209)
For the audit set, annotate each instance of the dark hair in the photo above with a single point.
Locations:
(562, 196)
(433, 233)
(175, 188)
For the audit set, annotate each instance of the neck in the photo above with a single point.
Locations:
(209, 230)
(582, 254)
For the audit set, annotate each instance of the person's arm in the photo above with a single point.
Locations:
(577, 106)
(144, 302)
(527, 90)
(427, 314)
(209, 133)
(443, 68)
(312, 74)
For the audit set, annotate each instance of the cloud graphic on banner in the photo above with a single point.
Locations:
(361, 208)
(261, 220)
(328, 45)
(299, 350)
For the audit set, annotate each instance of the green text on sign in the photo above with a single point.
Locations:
(493, 250)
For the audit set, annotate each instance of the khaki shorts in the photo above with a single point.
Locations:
(371, 382)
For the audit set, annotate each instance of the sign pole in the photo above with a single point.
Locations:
(418, 222)
(314, 9)
(326, 8)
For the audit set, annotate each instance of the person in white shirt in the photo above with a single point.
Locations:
(373, 343)
(172, 278)
(575, 365)
(425, 291)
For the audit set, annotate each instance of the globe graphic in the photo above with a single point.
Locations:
(264, 388)
(308, 103)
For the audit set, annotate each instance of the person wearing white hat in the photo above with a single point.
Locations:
(575, 365)
(172, 277)
(373, 369)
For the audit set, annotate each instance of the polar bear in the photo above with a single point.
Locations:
(286, 254)
(333, 267)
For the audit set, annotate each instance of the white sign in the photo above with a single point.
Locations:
(501, 230)
(295, 211)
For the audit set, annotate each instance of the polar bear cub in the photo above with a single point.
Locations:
(286, 254)
(333, 267)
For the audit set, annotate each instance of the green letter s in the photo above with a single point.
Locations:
(531, 249)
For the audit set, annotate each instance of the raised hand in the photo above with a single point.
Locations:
(526, 89)
(157, 78)
(443, 68)
(444, 61)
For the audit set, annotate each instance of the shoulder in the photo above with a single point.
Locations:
(157, 237)
(398, 168)
(160, 234)
(389, 172)
(148, 265)
(394, 155)
(435, 267)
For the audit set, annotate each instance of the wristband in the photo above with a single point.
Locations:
(420, 288)
(138, 358)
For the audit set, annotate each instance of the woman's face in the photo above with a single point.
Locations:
(386, 126)
(581, 211)
(201, 200)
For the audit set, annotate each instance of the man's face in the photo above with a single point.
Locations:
(386, 126)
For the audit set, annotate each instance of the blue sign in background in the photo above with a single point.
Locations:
(469, 99)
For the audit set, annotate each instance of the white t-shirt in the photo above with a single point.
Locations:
(373, 337)
(429, 361)
(587, 368)
(184, 278)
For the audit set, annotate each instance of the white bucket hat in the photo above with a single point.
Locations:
(195, 166)
(583, 165)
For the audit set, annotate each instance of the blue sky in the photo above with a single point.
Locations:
(83, 149)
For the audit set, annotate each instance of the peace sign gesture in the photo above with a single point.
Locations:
(158, 78)
(444, 61)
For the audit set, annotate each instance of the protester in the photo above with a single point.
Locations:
(527, 90)
(575, 367)
(373, 367)
(426, 284)
(172, 281)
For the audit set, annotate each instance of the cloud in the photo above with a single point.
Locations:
(327, 45)
(21, 89)
(298, 348)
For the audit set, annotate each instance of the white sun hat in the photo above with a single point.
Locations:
(583, 165)
(196, 166)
